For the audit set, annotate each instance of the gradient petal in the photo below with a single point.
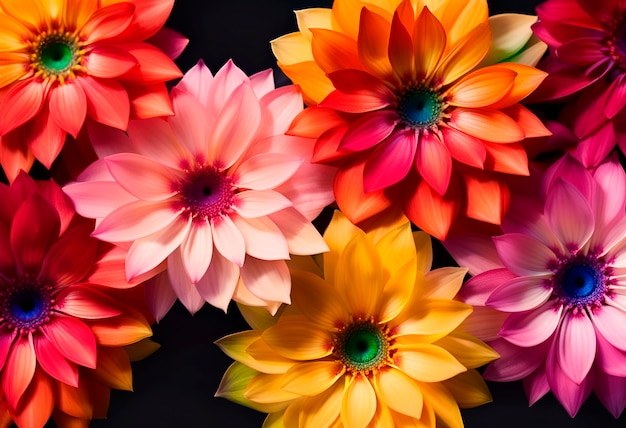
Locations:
(576, 344)
(359, 403)
(68, 107)
(531, 328)
(399, 392)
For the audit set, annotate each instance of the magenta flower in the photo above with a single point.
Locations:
(217, 190)
(552, 301)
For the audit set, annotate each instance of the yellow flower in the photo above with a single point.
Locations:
(372, 339)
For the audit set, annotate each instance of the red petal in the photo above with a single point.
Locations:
(464, 148)
(87, 302)
(21, 102)
(68, 106)
(312, 122)
(369, 130)
(433, 162)
(71, 258)
(107, 101)
(401, 50)
(148, 101)
(19, 369)
(108, 61)
(390, 162)
(171, 42)
(55, 364)
(107, 22)
(154, 65)
(432, 212)
(45, 137)
(14, 154)
(73, 339)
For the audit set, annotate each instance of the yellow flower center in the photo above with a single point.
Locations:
(363, 347)
(56, 55)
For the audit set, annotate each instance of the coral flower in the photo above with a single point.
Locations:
(553, 300)
(216, 192)
(65, 311)
(66, 60)
(587, 60)
(374, 340)
(410, 115)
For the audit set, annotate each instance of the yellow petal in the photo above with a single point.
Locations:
(12, 34)
(293, 337)
(443, 403)
(397, 292)
(428, 363)
(469, 389)
(267, 389)
(274, 420)
(383, 418)
(113, 368)
(444, 283)
(318, 17)
(258, 317)
(395, 247)
(482, 87)
(465, 55)
(399, 392)
(312, 377)
(318, 300)
(322, 410)
(423, 249)
(510, 32)
(532, 53)
(359, 403)
(359, 277)
(470, 351)
(237, 346)
(430, 316)
(337, 235)
(292, 48)
(142, 349)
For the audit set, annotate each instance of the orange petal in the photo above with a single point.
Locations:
(298, 339)
(399, 392)
(36, 406)
(465, 55)
(339, 232)
(482, 87)
(443, 402)
(312, 122)
(506, 158)
(78, 13)
(429, 43)
(530, 124)
(464, 148)
(526, 81)
(459, 17)
(19, 370)
(323, 409)
(13, 33)
(432, 212)
(121, 330)
(311, 79)
(359, 403)
(266, 389)
(312, 377)
(76, 402)
(113, 368)
(372, 44)
(486, 124)
(346, 14)
(248, 348)
(487, 197)
(430, 317)
(397, 291)
(469, 389)
(334, 51)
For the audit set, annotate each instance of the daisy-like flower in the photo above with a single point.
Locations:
(586, 66)
(374, 340)
(66, 313)
(408, 112)
(66, 60)
(217, 189)
(553, 303)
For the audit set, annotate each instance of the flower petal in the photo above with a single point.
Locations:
(160, 296)
(54, 363)
(576, 344)
(482, 87)
(312, 377)
(427, 363)
(359, 403)
(218, 283)
(268, 280)
(73, 339)
(258, 203)
(68, 107)
(108, 61)
(298, 339)
(390, 162)
(301, 236)
(228, 240)
(531, 328)
(399, 392)
(107, 101)
(464, 55)
(524, 255)
(181, 284)
(433, 162)
(86, 302)
(19, 369)
(197, 250)
(607, 321)
(318, 300)
(188, 122)
(322, 409)
(486, 124)
(562, 202)
(263, 239)
(369, 130)
(429, 43)
(21, 103)
(266, 171)
(520, 294)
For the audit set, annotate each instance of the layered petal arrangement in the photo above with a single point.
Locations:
(410, 111)
(218, 190)
(66, 311)
(586, 69)
(373, 340)
(552, 303)
(64, 61)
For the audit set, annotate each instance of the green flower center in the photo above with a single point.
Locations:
(420, 108)
(362, 347)
(56, 55)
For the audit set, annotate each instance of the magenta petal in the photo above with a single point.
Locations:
(576, 345)
(616, 99)
(523, 255)
(595, 147)
(569, 215)
(73, 339)
(474, 251)
(609, 359)
(54, 363)
(611, 390)
(369, 130)
(531, 328)
(520, 294)
(479, 288)
(390, 162)
(608, 322)
(515, 362)
(433, 162)
(171, 42)
(536, 385)
(218, 283)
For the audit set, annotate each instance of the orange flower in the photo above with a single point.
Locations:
(408, 110)
(64, 60)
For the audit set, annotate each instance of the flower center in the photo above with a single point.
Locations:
(207, 193)
(56, 55)
(420, 108)
(362, 347)
(26, 305)
(581, 280)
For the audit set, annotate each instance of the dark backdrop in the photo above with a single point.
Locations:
(175, 386)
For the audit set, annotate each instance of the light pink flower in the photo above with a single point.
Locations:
(217, 190)
(551, 291)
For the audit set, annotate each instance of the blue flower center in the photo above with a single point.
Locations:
(27, 305)
(207, 193)
(420, 108)
(581, 280)
(362, 347)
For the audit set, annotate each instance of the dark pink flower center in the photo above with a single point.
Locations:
(26, 304)
(207, 193)
(581, 280)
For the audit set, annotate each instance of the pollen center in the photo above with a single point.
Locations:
(362, 347)
(420, 108)
(581, 280)
(56, 55)
(26, 305)
(207, 193)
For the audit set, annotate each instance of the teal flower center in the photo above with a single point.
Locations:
(581, 280)
(56, 55)
(207, 193)
(420, 108)
(362, 347)
(26, 305)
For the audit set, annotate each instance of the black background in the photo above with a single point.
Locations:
(175, 386)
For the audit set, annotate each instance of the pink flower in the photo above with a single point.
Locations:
(217, 190)
(550, 292)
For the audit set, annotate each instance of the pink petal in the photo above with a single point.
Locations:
(263, 238)
(108, 61)
(278, 109)
(182, 286)
(228, 240)
(160, 296)
(143, 177)
(146, 253)
(197, 250)
(301, 236)
(608, 322)
(232, 133)
(263, 83)
(19, 369)
(188, 122)
(197, 82)
(390, 162)
(369, 130)
(616, 97)
(569, 215)
(226, 81)
(171, 42)
(523, 255)
(515, 362)
(136, 220)
(21, 103)
(611, 390)
(595, 147)
(106, 141)
(474, 251)
(97, 199)
(520, 294)
(68, 107)
(266, 171)
(536, 385)
(258, 203)
(531, 328)
(155, 139)
(88, 303)
(269, 280)
(54, 363)
(218, 283)
(107, 101)
(433, 162)
(609, 359)
(479, 288)
(73, 339)
(576, 344)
